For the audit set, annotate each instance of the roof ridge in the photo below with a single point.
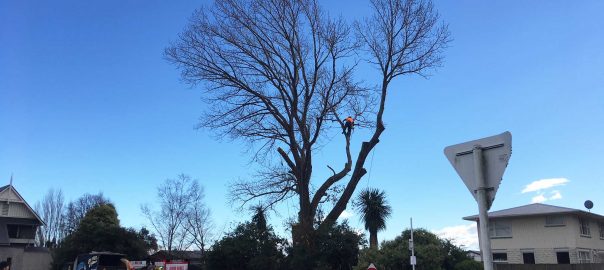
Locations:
(533, 209)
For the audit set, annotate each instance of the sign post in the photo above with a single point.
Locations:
(480, 164)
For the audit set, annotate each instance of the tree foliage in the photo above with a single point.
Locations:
(100, 230)
(252, 245)
(338, 248)
(432, 252)
(62, 219)
(77, 209)
(374, 209)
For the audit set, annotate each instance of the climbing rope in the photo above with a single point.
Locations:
(371, 165)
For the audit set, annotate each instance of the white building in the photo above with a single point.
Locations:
(545, 234)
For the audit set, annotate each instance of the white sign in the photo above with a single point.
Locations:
(177, 266)
(496, 152)
(138, 264)
(413, 260)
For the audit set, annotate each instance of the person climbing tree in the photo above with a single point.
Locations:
(348, 126)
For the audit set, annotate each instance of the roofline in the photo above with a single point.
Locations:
(571, 211)
(25, 202)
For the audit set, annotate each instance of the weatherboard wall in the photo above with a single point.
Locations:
(531, 232)
(532, 235)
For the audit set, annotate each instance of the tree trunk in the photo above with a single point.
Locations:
(373, 241)
(303, 233)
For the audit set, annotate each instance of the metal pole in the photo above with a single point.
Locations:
(412, 247)
(481, 194)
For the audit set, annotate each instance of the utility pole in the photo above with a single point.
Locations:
(412, 247)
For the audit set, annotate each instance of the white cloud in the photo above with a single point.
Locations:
(539, 199)
(345, 214)
(556, 195)
(544, 184)
(462, 235)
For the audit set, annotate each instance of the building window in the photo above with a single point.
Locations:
(601, 231)
(584, 227)
(584, 256)
(528, 258)
(13, 231)
(500, 229)
(500, 257)
(20, 232)
(553, 221)
(563, 257)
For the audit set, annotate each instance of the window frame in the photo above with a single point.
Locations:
(505, 254)
(566, 257)
(532, 254)
(553, 217)
(496, 227)
(584, 229)
(18, 231)
(587, 258)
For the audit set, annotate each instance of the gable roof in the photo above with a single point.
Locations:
(11, 187)
(535, 209)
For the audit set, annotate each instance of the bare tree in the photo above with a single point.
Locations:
(51, 210)
(279, 74)
(176, 198)
(404, 37)
(199, 226)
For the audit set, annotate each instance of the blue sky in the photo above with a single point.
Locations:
(89, 104)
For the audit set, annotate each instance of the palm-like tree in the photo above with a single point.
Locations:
(374, 210)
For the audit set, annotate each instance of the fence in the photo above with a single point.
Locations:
(586, 266)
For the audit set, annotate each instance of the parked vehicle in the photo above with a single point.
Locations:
(102, 261)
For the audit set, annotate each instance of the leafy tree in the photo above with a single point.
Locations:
(149, 240)
(280, 74)
(76, 210)
(252, 245)
(456, 255)
(432, 253)
(374, 210)
(100, 230)
(339, 247)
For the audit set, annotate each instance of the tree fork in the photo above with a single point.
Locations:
(357, 175)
